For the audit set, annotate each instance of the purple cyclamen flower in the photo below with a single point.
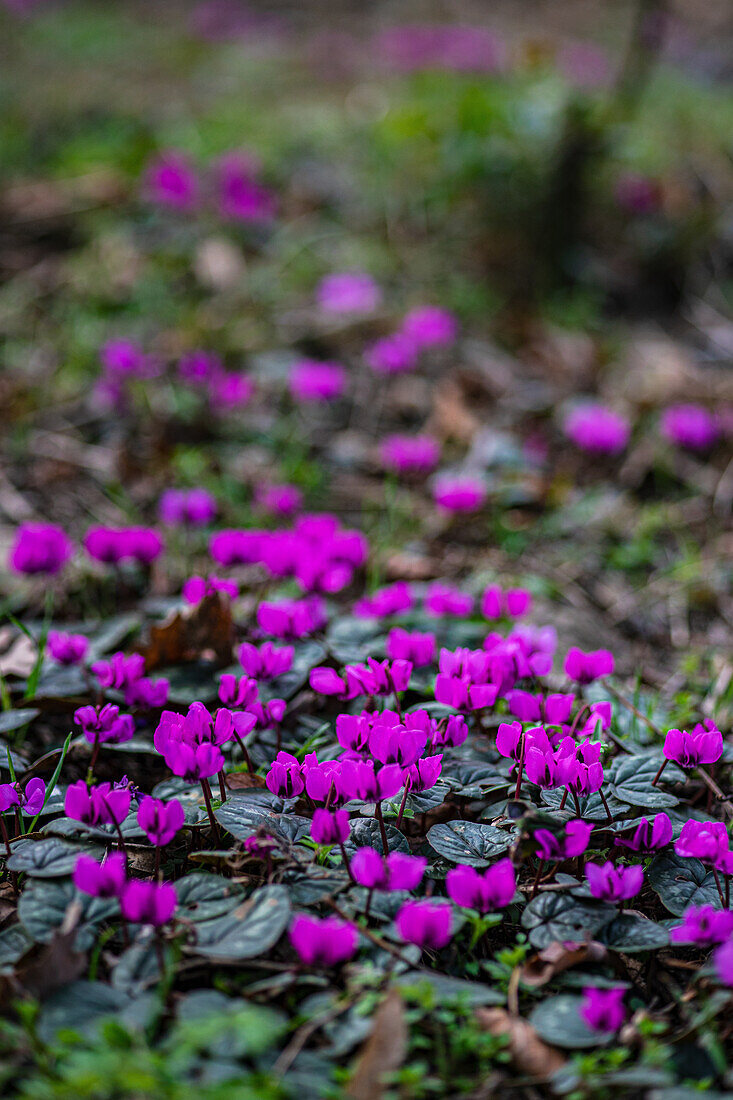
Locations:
(443, 599)
(241, 196)
(705, 840)
(195, 589)
(39, 548)
(148, 902)
(597, 429)
(238, 691)
(702, 745)
(278, 500)
(101, 880)
(103, 804)
(398, 871)
(395, 354)
(325, 942)
(648, 836)
(498, 604)
(67, 649)
(406, 454)
(29, 799)
(459, 494)
(603, 1009)
(430, 327)
(361, 781)
(425, 923)
(285, 776)
(193, 763)
(723, 963)
(160, 821)
(609, 883)
(690, 426)
(385, 601)
(291, 619)
(113, 545)
(102, 725)
(348, 292)
(558, 848)
(424, 774)
(584, 668)
(311, 380)
(230, 390)
(703, 926)
(179, 507)
(485, 892)
(330, 828)
(418, 649)
(266, 662)
(171, 181)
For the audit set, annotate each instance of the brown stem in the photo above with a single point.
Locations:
(380, 818)
(605, 804)
(564, 799)
(347, 865)
(207, 799)
(402, 805)
(222, 787)
(520, 768)
(245, 754)
(6, 838)
(658, 776)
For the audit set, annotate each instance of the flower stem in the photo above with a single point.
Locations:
(207, 799)
(658, 776)
(222, 787)
(345, 858)
(402, 805)
(380, 818)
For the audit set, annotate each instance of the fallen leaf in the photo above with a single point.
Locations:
(20, 659)
(542, 968)
(451, 417)
(51, 965)
(528, 1052)
(244, 781)
(383, 1052)
(201, 631)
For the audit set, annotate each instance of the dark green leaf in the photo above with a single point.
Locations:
(202, 896)
(631, 932)
(49, 858)
(43, 906)
(557, 1020)
(469, 842)
(554, 918)
(249, 930)
(365, 833)
(681, 882)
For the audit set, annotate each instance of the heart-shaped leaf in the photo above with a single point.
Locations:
(80, 1006)
(365, 833)
(556, 918)
(557, 1020)
(43, 906)
(591, 806)
(681, 882)
(469, 842)
(631, 932)
(631, 781)
(137, 968)
(48, 858)
(202, 896)
(247, 931)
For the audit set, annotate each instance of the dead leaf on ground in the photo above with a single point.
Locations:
(206, 630)
(383, 1052)
(451, 417)
(52, 965)
(244, 781)
(528, 1052)
(542, 968)
(20, 658)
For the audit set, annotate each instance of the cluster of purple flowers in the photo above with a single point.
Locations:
(423, 328)
(127, 674)
(597, 429)
(140, 902)
(224, 391)
(234, 187)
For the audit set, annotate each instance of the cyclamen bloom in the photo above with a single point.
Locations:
(291, 619)
(105, 724)
(423, 774)
(705, 840)
(314, 381)
(148, 902)
(278, 500)
(385, 601)
(325, 942)
(159, 820)
(690, 426)
(554, 709)
(442, 599)
(648, 836)
(101, 880)
(242, 692)
(597, 429)
(723, 963)
(485, 892)
(39, 548)
(609, 883)
(193, 763)
(558, 848)
(603, 1009)
(584, 668)
(348, 292)
(497, 604)
(361, 781)
(425, 923)
(702, 745)
(241, 196)
(194, 507)
(285, 776)
(123, 359)
(395, 354)
(29, 799)
(405, 454)
(112, 545)
(459, 494)
(418, 649)
(703, 926)
(67, 649)
(330, 828)
(229, 390)
(266, 662)
(171, 181)
(430, 327)
(195, 589)
(103, 804)
(397, 872)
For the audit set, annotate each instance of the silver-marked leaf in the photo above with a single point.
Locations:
(591, 806)
(79, 1007)
(15, 719)
(557, 1020)
(48, 858)
(681, 882)
(247, 931)
(351, 640)
(202, 896)
(631, 781)
(469, 842)
(307, 655)
(44, 903)
(241, 817)
(137, 968)
(365, 833)
(631, 932)
(14, 942)
(554, 918)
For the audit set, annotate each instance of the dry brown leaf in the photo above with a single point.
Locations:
(20, 659)
(528, 1052)
(383, 1052)
(541, 968)
(204, 630)
(451, 417)
(244, 781)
